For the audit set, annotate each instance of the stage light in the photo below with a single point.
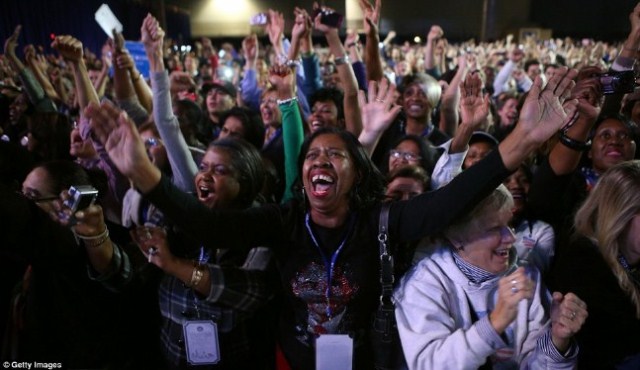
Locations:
(230, 7)
(417, 39)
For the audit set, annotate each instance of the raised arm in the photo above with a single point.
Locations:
(544, 112)
(71, 50)
(564, 157)
(39, 69)
(283, 79)
(372, 49)
(33, 89)
(182, 163)
(435, 34)
(449, 117)
(474, 110)
(352, 115)
(378, 111)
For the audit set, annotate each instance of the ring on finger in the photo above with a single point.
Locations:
(573, 315)
(379, 100)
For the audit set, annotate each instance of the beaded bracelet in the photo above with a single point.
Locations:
(287, 101)
(94, 240)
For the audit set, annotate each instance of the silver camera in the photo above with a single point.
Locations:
(81, 197)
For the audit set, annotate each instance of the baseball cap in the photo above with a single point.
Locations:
(224, 86)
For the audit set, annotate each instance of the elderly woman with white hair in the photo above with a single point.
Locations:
(468, 305)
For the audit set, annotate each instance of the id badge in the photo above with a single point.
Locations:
(334, 352)
(201, 342)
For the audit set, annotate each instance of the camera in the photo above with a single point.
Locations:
(614, 82)
(259, 19)
(81, 197)
(329, 17)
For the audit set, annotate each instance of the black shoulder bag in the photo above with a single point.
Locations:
(385, 340)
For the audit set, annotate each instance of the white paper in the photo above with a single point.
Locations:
(107, 20)
(334, 352)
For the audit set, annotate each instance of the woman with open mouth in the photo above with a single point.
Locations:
(325, 240)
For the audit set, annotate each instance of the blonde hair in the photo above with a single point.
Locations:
(605, 217)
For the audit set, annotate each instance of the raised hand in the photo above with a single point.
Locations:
(275, 29)
(588, 92)
(352, 38)
(317, 21)
(115, 130)
(568, 314)
(302, 25)
(474, 107)
(250, 49)
(124, 60)
(283, 78)
(378, 107)
(435, 33)
(152, 35)
(511, 290)
(11, 42)
(371, 15)
(69, 48)
(543, 112)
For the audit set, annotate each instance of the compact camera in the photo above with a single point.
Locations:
(259, 19)
(81, 197)
(329, 17)
(614, 82)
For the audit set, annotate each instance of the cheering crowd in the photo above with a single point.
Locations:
(476, 205)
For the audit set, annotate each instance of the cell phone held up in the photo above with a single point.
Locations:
(329, 17)
(614, 82)
(81, 197)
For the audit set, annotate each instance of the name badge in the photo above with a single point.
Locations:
(201, 342)
(334, 352)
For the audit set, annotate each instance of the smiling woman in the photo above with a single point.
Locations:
(469, 293)
(325, 240)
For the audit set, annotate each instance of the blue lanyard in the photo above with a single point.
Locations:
(329, 265)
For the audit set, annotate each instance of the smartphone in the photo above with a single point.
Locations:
(614, 82)
(329, 17)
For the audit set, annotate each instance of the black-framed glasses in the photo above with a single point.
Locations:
(406, 155)
(36, 199)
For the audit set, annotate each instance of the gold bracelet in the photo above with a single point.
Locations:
(196, 275)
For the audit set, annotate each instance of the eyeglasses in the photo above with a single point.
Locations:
(408, 156)
(151, 142)
(34, 197)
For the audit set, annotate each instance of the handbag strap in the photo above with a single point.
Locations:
(386, 258)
